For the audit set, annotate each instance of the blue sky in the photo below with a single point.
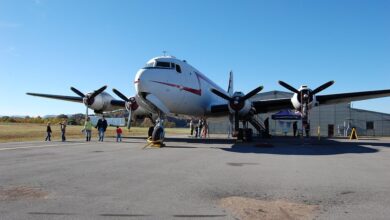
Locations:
(48, 46)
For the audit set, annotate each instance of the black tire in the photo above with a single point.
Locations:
(158, 134)
(150, 131)
(240, 134)
(248, 135)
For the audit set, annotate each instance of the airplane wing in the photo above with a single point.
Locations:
(271, 105)
(350, 97)
(262, 106)
(60, 97)
(118, 103)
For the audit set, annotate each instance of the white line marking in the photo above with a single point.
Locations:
(39, 146)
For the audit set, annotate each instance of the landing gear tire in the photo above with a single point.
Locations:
(248, 134)
(150, 132)
(240, 134)
(245, 134)
(158, 134)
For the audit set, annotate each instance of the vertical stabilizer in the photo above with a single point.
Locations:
(230, 86)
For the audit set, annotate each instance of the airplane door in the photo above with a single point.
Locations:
(330, 130)
(192, 93)
(177, 100)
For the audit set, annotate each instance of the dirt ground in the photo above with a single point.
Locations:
(251, 209)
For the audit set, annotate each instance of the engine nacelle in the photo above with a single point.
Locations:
(102, 103)
(244, 111)
(304, 96)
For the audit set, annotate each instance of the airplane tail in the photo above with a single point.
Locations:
(230, 86)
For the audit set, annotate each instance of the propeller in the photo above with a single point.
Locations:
(88, 98)
(131, 105)
(237, 101)
(305, 95)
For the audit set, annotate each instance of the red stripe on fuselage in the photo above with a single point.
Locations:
(191, 90)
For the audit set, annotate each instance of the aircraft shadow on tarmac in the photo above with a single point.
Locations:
(283, 145)
(307, 147)
(194, 140)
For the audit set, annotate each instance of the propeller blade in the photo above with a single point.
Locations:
(324, 86)
(77, 92)
(252, 93)
(97, 92)
(129, 119)
(287, 86)
(119, 94)
(220, 94)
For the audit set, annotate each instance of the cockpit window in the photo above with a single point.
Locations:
(150, 64)
(178, 69)
(163, 64)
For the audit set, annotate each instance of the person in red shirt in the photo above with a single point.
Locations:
(118, 134)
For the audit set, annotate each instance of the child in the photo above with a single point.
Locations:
(118, 134)
(48, 131)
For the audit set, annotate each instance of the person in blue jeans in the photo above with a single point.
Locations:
(48, 131)
(118, 134)
(101, 126)
(63, 129)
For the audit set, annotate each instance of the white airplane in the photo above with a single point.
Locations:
(167, 86)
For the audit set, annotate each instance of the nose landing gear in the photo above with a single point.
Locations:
(156, 134)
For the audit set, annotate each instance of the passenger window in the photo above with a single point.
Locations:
(178, 69)
(173, 65)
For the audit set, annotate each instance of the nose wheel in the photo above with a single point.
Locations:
(156, 135)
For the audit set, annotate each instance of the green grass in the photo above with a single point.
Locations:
(19, 132)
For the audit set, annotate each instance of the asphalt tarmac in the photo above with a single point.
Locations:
(188, 178)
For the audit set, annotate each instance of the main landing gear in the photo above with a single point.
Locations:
(244, 134)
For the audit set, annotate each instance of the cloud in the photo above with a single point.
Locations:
(6, 24)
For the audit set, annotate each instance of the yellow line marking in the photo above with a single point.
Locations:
(39, 146)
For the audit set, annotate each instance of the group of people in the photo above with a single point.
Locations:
(62, 127)
(101, 126)
(201, 128)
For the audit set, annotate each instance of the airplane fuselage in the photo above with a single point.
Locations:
(180, 88)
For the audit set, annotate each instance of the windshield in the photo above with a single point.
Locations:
(150, 64)
(163, 64)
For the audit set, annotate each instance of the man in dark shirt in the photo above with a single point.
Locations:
(48, 131)
(63, 129)
(101, 126)
(295, 127)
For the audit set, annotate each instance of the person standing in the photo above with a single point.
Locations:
(295, 127)
(63, 129)
(205, 129)
(118, 134)
(48, 131)
(200, 126)
(88, 129)
(192, 127)
(101, 126)
(196, 130)
(307, 129)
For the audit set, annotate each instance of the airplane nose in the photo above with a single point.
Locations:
(141, 80)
